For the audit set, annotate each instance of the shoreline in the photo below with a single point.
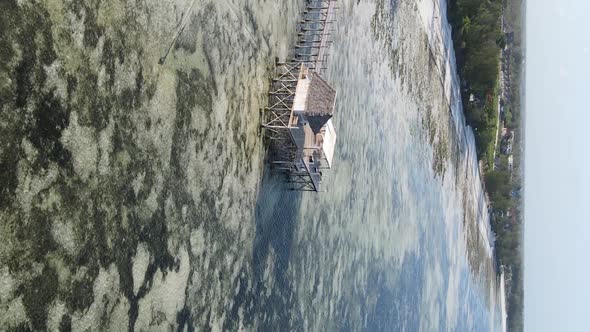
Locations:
(501, 168)
(443, 43)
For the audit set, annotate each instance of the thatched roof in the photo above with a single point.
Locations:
(320, 97)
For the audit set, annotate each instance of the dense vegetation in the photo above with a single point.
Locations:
(478, 39)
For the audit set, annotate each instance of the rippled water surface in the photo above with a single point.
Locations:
(135, 194)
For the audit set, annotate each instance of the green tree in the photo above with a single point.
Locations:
(498, 183)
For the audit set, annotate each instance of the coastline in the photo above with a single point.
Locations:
(441, 43)
(501, 167)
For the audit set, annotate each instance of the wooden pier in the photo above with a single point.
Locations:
(298, 122)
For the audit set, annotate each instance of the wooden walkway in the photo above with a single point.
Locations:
(314, 32)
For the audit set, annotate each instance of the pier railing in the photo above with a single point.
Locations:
(314, 33)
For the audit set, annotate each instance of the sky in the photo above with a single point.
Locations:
(557, 162)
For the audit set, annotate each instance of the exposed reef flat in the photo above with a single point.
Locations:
(125, 181)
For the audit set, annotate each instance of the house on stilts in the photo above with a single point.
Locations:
(298, 122)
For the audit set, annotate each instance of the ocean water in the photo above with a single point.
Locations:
(401, 240)
(136, 197)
